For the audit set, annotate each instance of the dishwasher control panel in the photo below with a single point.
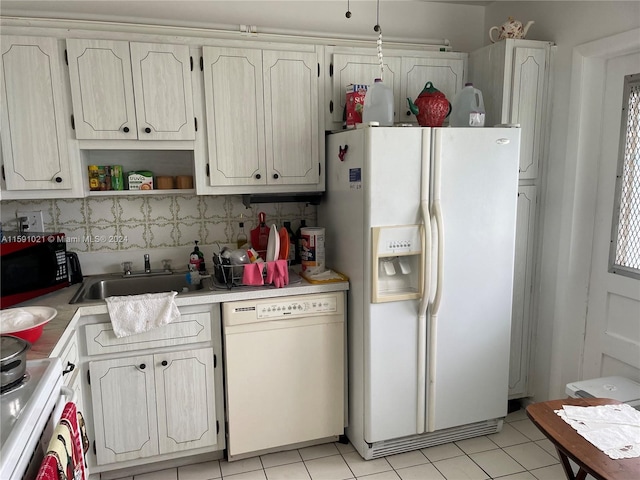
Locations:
(304, 306)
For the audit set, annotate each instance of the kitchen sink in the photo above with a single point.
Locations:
(99, 288)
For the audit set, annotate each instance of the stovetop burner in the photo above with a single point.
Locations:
(16, 384)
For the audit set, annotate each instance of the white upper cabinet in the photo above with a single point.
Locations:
(35, 151)
(359, 69)
(445, 72)
(235, 116)
(514, 76)
(404, 71)
(128, 90)
(262, 118)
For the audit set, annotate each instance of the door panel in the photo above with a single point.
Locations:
(291, 117)
(235, 117)
(612, 341)
(527, 103)
(34, 138)
(186, 400)
(124, 408)
(162, 85)
(102, 89)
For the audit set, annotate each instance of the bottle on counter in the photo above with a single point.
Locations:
(241, 239)
(293, 243)
(298, 249)
(196, 260)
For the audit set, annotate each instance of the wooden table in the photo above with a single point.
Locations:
(570, 444)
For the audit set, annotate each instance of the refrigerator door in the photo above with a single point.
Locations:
(392, 182)
(474, 192)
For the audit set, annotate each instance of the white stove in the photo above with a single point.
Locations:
(28, 417)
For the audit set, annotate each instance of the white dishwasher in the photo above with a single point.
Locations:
(285, 371)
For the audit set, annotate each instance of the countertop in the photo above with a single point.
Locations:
(64, 324)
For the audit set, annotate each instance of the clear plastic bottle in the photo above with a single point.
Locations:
(241, 239)
(467, 109)
(378, 104)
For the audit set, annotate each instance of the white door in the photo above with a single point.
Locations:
(124, 408)
(612, 342)
(235, 115)
(474, 199)
(162, 85)
(101, 89)
(186, 400)
(291, 117)
(34, 137)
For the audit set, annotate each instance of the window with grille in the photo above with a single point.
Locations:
(625, 244)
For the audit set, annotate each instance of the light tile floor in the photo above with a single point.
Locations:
(518, 452)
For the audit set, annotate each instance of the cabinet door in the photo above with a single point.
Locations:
(186, 400)
(235, 116)
(526, 105)
(291, 117)
(445, 74)
(363, 69)
(34, 136)
(522, 291)
(101, 89)
(124, 408)
(162, 86)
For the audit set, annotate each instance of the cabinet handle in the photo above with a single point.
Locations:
(164, 363)
(275, 175)
(408, 113)
(147, 130)
(258, 176)
(125, 129)
(142, 366)
(70, 368)
(58, 179)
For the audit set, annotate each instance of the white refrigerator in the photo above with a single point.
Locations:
(422, 221)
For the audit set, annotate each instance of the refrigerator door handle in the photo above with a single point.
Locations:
(437, 213)
(426, 282)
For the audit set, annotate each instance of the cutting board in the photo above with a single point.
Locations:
(260, 236)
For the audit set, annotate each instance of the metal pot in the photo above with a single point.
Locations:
(13, 359)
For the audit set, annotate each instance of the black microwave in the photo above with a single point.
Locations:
(32, 264)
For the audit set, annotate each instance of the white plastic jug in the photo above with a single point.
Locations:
(378, 104)
(467, 109)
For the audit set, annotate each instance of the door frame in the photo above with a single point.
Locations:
(588, 75)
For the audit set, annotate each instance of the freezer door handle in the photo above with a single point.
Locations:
(437, 215)
(426, 282)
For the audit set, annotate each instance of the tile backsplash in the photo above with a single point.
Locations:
(106, 231)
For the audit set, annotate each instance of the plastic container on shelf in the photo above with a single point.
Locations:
(467, 109)
(378, 104)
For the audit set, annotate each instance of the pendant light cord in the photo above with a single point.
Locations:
(378, 29)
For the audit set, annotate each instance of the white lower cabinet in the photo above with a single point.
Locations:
(153, 404)
(156, 395)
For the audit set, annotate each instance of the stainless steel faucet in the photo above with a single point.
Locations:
(147, 263)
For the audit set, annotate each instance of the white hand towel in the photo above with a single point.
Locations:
(131, 314)
(614, 429)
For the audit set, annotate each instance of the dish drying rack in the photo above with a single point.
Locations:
(231, 276)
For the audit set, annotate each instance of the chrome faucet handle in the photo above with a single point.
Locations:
(147, 263)
(126, 266)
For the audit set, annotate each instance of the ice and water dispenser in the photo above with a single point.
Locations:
(397, 272)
